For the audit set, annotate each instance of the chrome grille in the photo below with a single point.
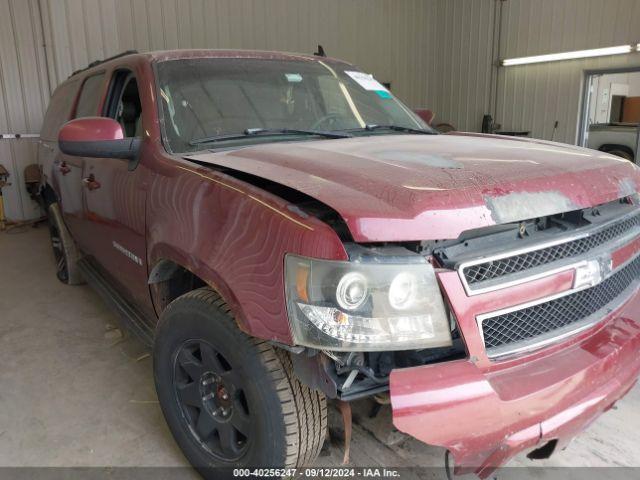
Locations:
(535, 321)
(518, 263)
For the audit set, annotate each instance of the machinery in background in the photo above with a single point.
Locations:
(32, 177)
(489, 126)
(32, 181)
(428, 116)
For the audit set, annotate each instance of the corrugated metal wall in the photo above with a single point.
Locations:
(529, 97)
(384, 37)
(436, 53)
(24, 94)
(459, 82)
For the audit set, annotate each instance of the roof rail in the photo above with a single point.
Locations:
(98, 62)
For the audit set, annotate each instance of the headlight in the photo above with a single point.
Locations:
(352, 291)
(365, 306)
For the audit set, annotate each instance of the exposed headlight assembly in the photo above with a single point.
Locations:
(365, 306)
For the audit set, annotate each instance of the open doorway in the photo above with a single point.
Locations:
(611, 113)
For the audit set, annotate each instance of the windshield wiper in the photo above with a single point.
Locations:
(251, 132)
(395, 128)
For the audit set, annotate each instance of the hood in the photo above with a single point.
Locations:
(428, 187)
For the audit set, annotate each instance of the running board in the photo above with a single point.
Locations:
(135, 321)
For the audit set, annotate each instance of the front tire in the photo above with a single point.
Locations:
(230, 400)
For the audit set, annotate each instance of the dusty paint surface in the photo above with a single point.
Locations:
(421, 187)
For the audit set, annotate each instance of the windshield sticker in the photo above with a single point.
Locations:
(293, 77)
(366, 81)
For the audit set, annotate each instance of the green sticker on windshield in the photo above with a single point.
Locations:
(383, 93)
(293, 77)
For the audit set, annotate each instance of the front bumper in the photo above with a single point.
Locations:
(485, 415)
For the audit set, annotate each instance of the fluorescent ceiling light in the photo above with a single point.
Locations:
(554, 57)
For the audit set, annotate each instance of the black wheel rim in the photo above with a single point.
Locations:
(62, 271)
(211, 398)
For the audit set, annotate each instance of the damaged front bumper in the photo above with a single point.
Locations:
(484, 416)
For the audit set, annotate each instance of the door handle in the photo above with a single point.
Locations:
(64, 168)
(91, 183)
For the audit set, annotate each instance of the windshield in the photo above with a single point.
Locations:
(220, 100)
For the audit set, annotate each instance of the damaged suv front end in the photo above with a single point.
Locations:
(534, 335)
(488, 284)
(549, 314)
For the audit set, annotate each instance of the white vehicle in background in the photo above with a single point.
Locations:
(619, 139)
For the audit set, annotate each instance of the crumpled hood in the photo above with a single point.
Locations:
(425, 187)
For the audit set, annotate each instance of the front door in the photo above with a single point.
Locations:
(115, 199)
(67, 169)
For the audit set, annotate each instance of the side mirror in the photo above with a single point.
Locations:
(99, 137)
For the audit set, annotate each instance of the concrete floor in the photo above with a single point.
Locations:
(73, 393)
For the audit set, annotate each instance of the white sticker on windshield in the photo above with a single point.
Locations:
(293, 77)
(366, 81)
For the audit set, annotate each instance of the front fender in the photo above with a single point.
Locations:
(234, 236)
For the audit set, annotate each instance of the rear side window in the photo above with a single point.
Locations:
(90, 96)
(59, 110)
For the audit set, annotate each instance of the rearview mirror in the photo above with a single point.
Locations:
(99, 137)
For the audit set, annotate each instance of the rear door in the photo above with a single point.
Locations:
(114, 198)
(62, 172)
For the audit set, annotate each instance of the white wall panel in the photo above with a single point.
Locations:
(458, 86)
(24, 94)
(385, 37)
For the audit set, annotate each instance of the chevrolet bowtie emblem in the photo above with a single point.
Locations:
(591, 272)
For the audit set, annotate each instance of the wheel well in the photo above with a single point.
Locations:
(168, 281)
(608, 147)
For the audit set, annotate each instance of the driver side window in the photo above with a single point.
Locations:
(124, 105)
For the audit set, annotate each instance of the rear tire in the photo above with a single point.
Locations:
(230, 400)
(64, 248)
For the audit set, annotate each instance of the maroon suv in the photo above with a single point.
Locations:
(283, 230)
